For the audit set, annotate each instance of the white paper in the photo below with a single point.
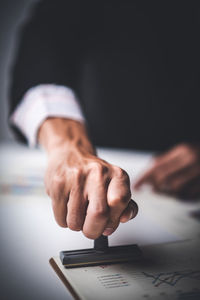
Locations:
(170, 271)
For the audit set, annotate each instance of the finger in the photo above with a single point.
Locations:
(145, 178)
(149, 175)
(191, 191)
(167, 159)
(130, 212)
(154, 175)
(119, 196)
(160, 161)
(179, 181)
(158, 175)
(77, 205)
(169, 155)
(97, 210)
(59, 197)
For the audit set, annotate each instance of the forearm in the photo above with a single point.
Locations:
(59, 134)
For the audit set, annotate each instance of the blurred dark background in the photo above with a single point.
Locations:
(12, 15)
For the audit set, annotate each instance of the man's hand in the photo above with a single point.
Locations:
(87, 193)
(176, 172)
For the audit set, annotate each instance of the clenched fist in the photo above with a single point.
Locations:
(87, 193)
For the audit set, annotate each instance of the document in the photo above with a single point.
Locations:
(168, 271)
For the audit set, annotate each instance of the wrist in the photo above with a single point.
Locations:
(68, 147)
(59, 135)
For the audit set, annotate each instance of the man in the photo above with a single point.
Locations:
(132, 68)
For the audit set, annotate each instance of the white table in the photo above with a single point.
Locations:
(29, 236)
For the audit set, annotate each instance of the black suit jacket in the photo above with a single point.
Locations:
(133, 64)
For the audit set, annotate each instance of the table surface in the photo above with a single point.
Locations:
(29, 236)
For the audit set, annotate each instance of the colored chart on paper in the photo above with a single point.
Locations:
(22, 185)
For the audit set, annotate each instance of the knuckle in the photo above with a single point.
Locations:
(99, 168)
(77, 179)
(77, 173)
(99, 212)
(117, 201)
(122, 199)
(57, 181)
(121, 174)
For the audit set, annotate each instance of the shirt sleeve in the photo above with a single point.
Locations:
(41, 102)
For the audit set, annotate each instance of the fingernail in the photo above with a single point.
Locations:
(108, 231)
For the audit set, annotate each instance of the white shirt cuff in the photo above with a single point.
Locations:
(41, 102)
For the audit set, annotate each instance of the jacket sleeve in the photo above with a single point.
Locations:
(49, 49)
